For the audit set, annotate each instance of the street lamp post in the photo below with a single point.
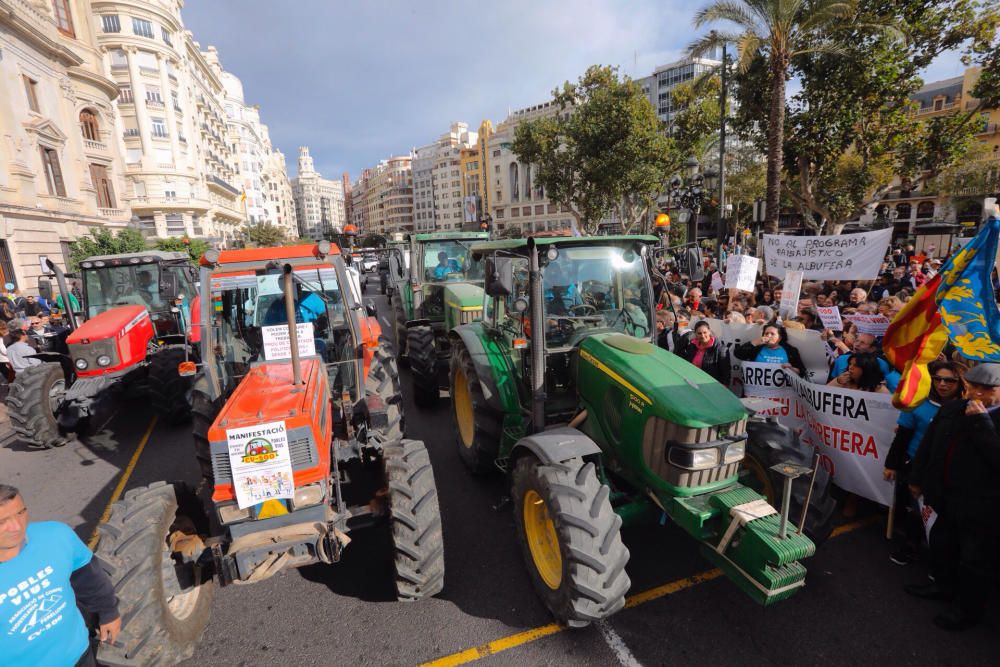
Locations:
(689, 194)
(720, 231)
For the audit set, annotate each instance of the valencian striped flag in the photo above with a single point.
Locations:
(914, 339)
(965, 297)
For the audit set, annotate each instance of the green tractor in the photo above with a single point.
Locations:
(561, 387)
(441, 289)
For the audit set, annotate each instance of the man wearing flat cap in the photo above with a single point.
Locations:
(957, 469)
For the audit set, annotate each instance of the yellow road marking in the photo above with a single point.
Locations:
(122, 481)
(512, 641)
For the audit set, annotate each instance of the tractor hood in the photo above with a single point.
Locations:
(656, 381)
(463, 295)
(109, 324)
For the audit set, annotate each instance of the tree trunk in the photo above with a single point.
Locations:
(775, 141)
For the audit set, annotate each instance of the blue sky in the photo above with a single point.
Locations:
(360, 81)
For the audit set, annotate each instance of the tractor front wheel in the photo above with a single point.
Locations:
(383, 381)
(477, 426)
(170, 390)
(416, 520)
(423, 365)
(164, 600)
(35, 397)
(570, 538)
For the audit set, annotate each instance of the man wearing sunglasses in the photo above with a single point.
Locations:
(957, 469)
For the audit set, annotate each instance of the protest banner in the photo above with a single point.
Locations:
(843, 257)
(810, 345)
(260, 462)
(741, 272)
(790, 290)
(717, 282)
(851, 430)
(830, 317)
(277, 344)
(870, 324)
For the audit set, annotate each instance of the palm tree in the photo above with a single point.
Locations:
(778, 30)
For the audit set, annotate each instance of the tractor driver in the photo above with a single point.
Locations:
(309, 307)
(445, 266)
(560, 292)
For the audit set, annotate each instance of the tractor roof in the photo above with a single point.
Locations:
(449, 236)
(256, 255)
(149, 255)
(518, 244)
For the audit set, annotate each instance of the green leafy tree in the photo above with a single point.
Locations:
(195, 248)
(264, 234)
(773, 33)
(602, 153)
(105, 242)
(695, 130)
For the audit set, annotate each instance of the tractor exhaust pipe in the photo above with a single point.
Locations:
(64, 291)
(293, 338)
(537, 315)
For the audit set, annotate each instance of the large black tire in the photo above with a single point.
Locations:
(164, 603)
(477, 425)
(769, 444)
(383, 381)
(399, 327)
(423, 365)
(203, 413)
(416, 520)
(34, 397)
(565, 521)
(170, 391)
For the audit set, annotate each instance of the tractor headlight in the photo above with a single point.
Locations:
(736, 451)
(104, 360)
(81, 364)
(694, 459)
(306, 496)
(232, 513)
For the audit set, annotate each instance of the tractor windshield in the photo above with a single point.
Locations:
(446, 261)
(595, 288)
(250, 321)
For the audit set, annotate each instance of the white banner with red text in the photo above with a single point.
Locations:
(851, 430)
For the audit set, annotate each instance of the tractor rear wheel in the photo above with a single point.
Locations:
(203, 413)
(416, 520)
(571, 540)
(165, 603)
(477, 425)
(399, 327)
(423, 365)
(34, 398)
(170, 390)
(383, 381)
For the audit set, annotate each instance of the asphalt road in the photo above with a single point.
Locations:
(853, 609)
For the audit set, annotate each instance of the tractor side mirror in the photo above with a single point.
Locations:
(45, 289)
(696, 268)
(168, 285)
(499, 276)
(371, 309)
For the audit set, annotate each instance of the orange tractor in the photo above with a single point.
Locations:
(298, 430)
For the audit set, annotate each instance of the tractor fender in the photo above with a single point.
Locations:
(556, 445)
(63, 360)
(481, 361)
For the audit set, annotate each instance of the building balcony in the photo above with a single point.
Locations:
(989, 128)
(111, 213)
(160, 134)
(172, 77)
(216, 182)
(95, 145)
(130, 132)
(154, 104)
(151, 71)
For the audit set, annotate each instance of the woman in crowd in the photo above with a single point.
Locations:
(946, 385)
(772, 348)
(863, 374)
(708, 353)
(766, 298)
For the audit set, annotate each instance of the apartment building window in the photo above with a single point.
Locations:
(88, 125)
(166, 36)
(153, 94)
(118, 59)
(31, 90)
(110, 23)
(105, 191)
(515, 192)
(125, 95)
(159, 127)
(133, 155)
(140, 189)
(64, 20)
(142, 27)
(53, 174)
(175, 223)
(169, 191)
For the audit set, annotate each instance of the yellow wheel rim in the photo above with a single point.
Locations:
(761, 482)
(464, 414)
(543, 541)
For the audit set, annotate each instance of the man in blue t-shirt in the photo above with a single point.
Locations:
(45, 570)
(867, 343)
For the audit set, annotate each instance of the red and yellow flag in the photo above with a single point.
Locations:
(914, 339)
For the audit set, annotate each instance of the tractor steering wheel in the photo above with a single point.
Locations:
(583, 309)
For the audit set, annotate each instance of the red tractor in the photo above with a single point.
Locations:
(137, 308)
(298, 430)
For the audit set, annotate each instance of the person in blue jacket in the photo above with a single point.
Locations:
(867, 343)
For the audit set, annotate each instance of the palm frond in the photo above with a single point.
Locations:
(727, 10)
(708, 42)
(747, 48)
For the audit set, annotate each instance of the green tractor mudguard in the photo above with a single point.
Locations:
(670, 428)
(463, 304)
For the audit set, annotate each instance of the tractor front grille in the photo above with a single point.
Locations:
(659, 435)
(300, 448)
(470, 316)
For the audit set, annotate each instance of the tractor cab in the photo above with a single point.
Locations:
(441, 261)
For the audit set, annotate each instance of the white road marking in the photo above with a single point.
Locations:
(384, 322)
(617, 645)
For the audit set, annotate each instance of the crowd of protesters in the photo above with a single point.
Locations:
(29, 324)
(945, 456)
